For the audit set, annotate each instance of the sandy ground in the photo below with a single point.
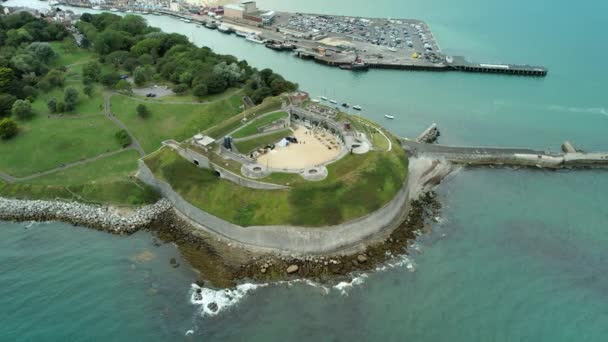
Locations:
(311, 151)
(334, 41)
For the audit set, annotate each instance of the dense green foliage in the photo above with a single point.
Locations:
(128, 44)
(8, 128)
(123, 138)
(143, 111)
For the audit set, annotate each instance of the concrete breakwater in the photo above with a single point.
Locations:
(99, 217)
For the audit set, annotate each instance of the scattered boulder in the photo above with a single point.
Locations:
(292, 269)
(361, 258)
(212, 306)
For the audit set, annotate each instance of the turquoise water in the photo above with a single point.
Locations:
(518, 256)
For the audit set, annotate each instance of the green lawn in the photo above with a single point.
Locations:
(112, 168)
(108, 180)
(172, 121)
(86, 105)
(268, 105)
(252, 127)
(46, 143)
(356, 186)
(251, 144)
(69, 53)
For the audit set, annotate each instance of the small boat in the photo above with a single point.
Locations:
(323, 98)
(129, 11)
(389, 116)
(211, 25)
(224, 29)
(241, 33)
(113, 9)
(315, 100)
(255, 39)
(345, 105)
(333, 101)
(97, 8)
(356, 107)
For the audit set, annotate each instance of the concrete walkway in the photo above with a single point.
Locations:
(108, 112)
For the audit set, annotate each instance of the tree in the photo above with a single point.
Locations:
(52, 104)
(42, 51)
(6, 104)
(146, 59)
(143, 111)
(70, 98)
(60, 107)
(6, 77)
(140, 75)
(109, 79)
(22, 109)
(123, 86)
(124, 139)
(200, 90)
(91, 72)
(110, 40)
(8, 128)
(180, 88)
(88, 90)
(216, 84)
(55, 78)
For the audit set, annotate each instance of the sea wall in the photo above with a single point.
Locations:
(99, 217)
(309, 240)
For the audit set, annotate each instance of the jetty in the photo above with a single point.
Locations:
(339, 41)
(508, 156)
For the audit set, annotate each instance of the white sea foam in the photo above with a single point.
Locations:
(589, 110)
(345, 286)
(222, 298)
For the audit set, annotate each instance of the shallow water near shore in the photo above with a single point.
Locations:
(518, 255)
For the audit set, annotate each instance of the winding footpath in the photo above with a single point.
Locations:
(108, 112)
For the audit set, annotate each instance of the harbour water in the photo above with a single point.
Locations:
(519, 255)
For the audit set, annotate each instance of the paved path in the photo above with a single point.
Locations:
(108, 112)
(12, 179)
(150, 100)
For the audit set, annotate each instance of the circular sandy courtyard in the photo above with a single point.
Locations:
(315, 147)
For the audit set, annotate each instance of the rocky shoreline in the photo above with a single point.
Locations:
(106, 218)
(224, 263)
(221, 264)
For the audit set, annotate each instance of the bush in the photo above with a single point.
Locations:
(123, 86)
(200, 90)
(143, 111)
(8, 128)
(109, 79)
(6, 104)
(60, 107)
(22, 109)
(52, 104)
(88, 90)
(70, 98)
(124, 139)
(180, 88)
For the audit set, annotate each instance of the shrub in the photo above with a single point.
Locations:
(143, 111)
(70, 98)
(180, 88)
(8, 128)
(22, 109)
(52, 104)
(124, 139)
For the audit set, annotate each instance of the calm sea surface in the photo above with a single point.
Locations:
(517, 256)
